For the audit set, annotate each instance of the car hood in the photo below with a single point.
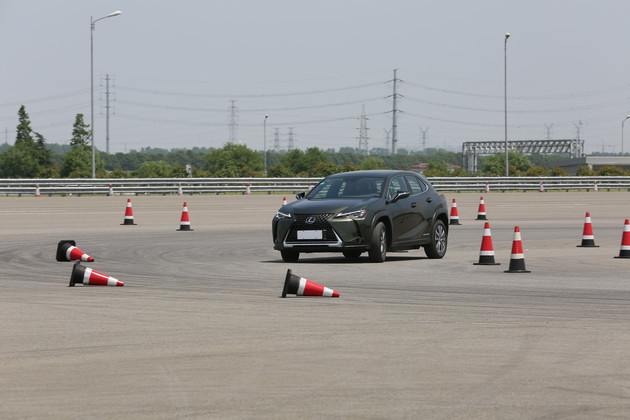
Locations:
(332, 205)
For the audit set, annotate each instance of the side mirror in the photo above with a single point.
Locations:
(400, 195)
(300, 195)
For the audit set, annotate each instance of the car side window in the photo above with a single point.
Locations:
(417, 186)
(395, 185)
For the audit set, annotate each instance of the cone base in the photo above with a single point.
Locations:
(184, 228)
(128, 223)
(61, 250)
(486, 263)
(454, 222)
(481, 218)
(587, 246)
(517, 271)
(623, 256)
(285, 289)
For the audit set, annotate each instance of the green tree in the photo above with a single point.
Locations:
(537, 171)
(584, 170)
(373, 162)
(77, 163)
(558, 171)
(495, 165)
(159, 169)
(18, 162)
(238, 158)
(80, 133)
(24, 133)
(609, 170)
(279, 171)
(324, 169)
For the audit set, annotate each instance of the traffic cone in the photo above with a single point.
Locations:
(296, 285)
(185, 221)
(248, 191)
(595, 189)
(37, 190)
(588, 239)
(624, 252)
(284, 201)
(487, 187)
(89, 277)
(111, 191)
(486, 254)
(454, 219)
(517, 259)
(542, 188)
(481, 213)
(180, 191)
(128, 214)
(67, 251)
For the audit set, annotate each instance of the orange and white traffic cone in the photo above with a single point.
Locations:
(111, 191)
(67, 251)
(128, 214)
(624, 252)
(184, 224)
(180, 191)
(37, 190)
(542, 188)
(248, 191)
(481, 213)
(486, 254)
(89, 277)
(517, 259)
(284, 201)
(296, 285)
(595, 189)
(487, 187)
(588, 239)
(454, 218)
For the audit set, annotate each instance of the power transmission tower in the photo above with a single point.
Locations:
(233, 122)
(276, 141)
(424, 138)
(107, 108)
(395, 96)
(291, 140)
(387, 133)
(578, 127)
(363, 137)
(548, 127)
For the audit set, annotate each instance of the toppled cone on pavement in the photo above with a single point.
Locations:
(296, 285)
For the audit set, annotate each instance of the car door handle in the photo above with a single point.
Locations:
(429, 199)
(414, 204)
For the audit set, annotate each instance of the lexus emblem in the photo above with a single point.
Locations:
(310, 220)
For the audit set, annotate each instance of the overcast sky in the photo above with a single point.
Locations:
(176, 67)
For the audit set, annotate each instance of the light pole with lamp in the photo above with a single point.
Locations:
(92, 22)
(507, 170)
(622, 122)
(265, 141)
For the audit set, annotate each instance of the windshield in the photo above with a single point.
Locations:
(349, 187)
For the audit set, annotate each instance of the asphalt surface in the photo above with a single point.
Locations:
(199, 330)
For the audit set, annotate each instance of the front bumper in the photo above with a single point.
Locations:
(337, 234)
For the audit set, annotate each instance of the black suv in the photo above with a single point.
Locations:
(354, 212)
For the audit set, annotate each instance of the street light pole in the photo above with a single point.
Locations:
(265, 141)
(622, 122)
(92, 26)
(507, 170)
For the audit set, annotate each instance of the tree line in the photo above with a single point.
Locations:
(32, 157)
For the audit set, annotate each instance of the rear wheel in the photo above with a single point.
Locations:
(289, 255)
(378, 243)
(439, 240)
(352, 254)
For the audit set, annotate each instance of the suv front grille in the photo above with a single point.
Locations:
(320, 223)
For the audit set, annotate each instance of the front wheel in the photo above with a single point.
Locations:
(439, 240)
(289, 255)
(378, 243)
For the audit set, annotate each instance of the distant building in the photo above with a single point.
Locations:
(593, 162)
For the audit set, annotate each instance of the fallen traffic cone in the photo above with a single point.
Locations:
(588, 239)
(185, 221)
(517, 259)
(624, 252)
(296, 285)
(542, 188)
(454, 219)
(89, 277)
(486, 254)
(37, 190)
(67, 251)
(284, 201)
(128, 214)
(481, 213)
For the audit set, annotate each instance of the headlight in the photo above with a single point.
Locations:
(357, 214)
(281, 215)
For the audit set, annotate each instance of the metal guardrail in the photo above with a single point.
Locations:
(190, 186)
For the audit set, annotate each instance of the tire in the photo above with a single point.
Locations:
(289, 255)
(378, 243)
(439, 240)
(352, 254)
